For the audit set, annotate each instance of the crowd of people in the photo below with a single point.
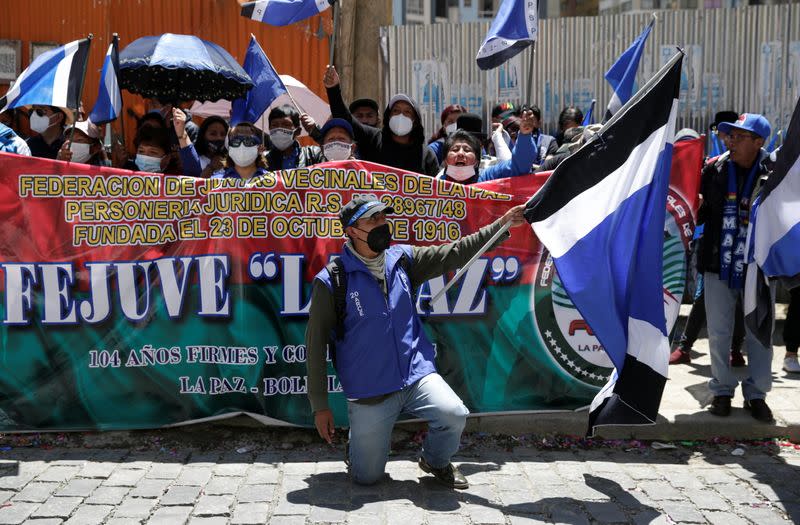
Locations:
(463, 150)
(167, 140)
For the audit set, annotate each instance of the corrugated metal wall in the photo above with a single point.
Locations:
(745, 59)
(300, 50)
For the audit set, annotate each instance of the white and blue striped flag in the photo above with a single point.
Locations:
(53, 79)
(515, 27)
(774, 235)
(109, 99)
(622, 75)
(601, 215)
(284, 12)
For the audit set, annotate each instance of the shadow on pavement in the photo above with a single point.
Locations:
(760, 483)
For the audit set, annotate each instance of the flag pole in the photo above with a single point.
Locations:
(332, 39)
(294, 102)
(529, 97)
(115, 40)
(475, 257)
(80, 87)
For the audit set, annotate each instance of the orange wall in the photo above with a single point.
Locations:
(294, 50)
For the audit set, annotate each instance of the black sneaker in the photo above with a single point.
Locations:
(721, 406)
(759, 410)
(449, 476)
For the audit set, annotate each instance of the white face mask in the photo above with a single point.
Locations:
(243, 155)
(39, 123)
(80, 152)
(281, 138)
(337, 150)
(451, 128)
(460, 173)
(401, 125)
(148, 163)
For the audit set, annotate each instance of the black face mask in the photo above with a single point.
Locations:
(378, 238)
(216, 146)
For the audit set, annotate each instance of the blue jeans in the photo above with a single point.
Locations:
(720, 315)
(431, 399)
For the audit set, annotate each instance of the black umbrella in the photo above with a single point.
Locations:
(173, 68)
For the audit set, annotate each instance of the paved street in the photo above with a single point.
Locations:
(512, 482)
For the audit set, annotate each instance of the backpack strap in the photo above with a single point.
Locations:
(339, 284)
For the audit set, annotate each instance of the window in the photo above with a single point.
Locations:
(486, 9)
(415, 7)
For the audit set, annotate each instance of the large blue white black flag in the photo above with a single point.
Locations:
(54, 78)
(284, 12)
(515, 27)
(109, 99)
(774, 234)
(601, 215)
(622, 75)
(267, 86)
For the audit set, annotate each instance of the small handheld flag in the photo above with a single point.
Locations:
(622, 74)
(515, 27)
(588, 119)
(54, 78)
(284, 12)
(109, 99)
(267, 86)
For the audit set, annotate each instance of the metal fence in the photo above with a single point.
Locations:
(744, 59)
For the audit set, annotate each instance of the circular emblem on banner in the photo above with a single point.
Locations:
(568, 337)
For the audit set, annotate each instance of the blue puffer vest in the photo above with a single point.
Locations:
(384, 347)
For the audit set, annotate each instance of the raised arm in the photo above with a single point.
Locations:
(363, 135)
(433, 261)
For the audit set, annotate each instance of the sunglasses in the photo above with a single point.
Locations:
(248, 141)
(40, 112)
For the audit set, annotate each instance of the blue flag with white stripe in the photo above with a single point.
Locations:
(774, 234)
(284, 12)
(109, 99)
(601, 215)
(515, 27)
(267, 86)
(53, 79)
(622, 74)
(588, 119)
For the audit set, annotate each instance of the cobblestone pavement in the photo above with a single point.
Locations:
(306, 483)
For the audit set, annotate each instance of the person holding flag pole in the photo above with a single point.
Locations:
(108, 106)
(52, 85)
(82, 82)
(267, 87)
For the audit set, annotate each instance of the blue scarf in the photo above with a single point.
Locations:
(537, 139)
(735, 218)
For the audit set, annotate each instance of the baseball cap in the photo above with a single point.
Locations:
(84, 126)
(361, 208)
(503, 110)
(362, 103)
(336, 123)
(752, 122)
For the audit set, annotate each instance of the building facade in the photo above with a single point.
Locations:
(456, 11)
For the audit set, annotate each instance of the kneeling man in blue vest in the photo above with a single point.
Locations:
(363, 304)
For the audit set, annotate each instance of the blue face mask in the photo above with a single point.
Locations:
(148, 163)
